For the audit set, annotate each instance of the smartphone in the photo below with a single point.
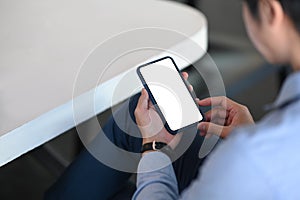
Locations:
(170, 95)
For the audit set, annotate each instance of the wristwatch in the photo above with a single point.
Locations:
(153, 146)
(157, 146)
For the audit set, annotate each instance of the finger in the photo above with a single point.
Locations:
(151, 105)
(207, 135)
(220, 121)
(185, 75)
(216, 101)
(217, 112)
(211, 128)
(212, 101)
(143, 100)
(191, 89)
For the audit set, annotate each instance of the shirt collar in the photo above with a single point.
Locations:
(289, 90)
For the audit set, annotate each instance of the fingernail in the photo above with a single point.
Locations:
(197, 99)
(201, 127)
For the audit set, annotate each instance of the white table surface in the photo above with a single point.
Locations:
(44, 43)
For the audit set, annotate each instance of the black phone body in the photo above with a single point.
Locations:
(170, 95)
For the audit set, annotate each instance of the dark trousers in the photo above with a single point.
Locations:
(88, 178)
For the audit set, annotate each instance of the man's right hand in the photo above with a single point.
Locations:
(224, 116)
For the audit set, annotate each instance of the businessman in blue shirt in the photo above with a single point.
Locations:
(254, 162)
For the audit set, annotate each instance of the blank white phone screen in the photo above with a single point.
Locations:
(171, 94)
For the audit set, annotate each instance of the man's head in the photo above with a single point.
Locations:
(273, 26)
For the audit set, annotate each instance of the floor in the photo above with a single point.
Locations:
(24, 178)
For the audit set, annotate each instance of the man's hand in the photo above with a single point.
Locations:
(150, 124)
(224, 116)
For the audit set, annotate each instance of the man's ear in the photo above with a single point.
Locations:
(271, 12)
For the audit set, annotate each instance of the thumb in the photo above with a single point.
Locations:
(143, 100)
(211, 128)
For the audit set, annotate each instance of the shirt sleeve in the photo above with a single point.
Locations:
(156, 178)
(230, 172)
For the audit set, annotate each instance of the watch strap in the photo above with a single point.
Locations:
(153, 146)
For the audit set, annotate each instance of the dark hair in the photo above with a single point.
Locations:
(290, 7)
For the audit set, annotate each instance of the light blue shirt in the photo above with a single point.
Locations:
(258, 162)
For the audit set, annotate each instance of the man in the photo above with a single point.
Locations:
(255, 162)
(258, 162)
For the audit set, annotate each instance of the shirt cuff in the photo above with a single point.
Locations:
(153, 161)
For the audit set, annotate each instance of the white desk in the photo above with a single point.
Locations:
(44, 43)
